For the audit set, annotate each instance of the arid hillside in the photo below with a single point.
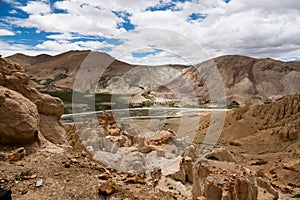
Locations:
(246, 80)
(265, 138)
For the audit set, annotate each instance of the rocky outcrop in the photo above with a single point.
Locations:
(221, 180)
(45, 103)
(279, 122)
(52, 129)
(19, 118)
(220, 154)
(25, 112)
(264, 137)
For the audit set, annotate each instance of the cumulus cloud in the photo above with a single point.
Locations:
(4, 32)
(160, 58)
(36, 7)
(269, 28)
(10, 49)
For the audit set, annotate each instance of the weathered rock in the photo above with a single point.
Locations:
(49, 105)
(106, 188)
(220, 154)
(39, 183)
(104, 176)
(3, 157)
(46, 104)
(262, 182)
(8, 67)
(19, 118)
(16, 155)
(160, 137)
(137, 178)
(2, 79)
(293, 134)
(223, 180)
(20, 108)
(180, 169)
(52, 130)
(13, 77)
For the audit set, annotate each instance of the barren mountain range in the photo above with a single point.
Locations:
(246, 80)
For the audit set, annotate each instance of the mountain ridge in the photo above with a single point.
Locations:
(246, 80)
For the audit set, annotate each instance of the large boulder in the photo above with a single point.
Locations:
(13, 77)
(19, 118)
(25, 112)
(46, 104)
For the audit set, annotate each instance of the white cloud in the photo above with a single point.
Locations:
(12, 2)
(269, 28)
(65, 45)
(58, 46)
(4, 32)
(13, 12)
(169, 41)
(63, 36)
(10, 49)
(36, 7)
(157, 59)
(80, 17)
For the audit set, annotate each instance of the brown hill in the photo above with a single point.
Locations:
(246, 80)
(58, 72)
(49, 71)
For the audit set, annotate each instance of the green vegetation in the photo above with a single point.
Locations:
(171, 104)
(49, 82)
(100, 101)
(148, 103)
(233, 104)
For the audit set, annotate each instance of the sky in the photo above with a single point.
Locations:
(153, 31)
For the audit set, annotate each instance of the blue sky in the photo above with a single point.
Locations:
(152, 31)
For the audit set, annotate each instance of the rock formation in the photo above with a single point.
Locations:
(25, 112)
(265, 138)
(19, 118)
(222, 180)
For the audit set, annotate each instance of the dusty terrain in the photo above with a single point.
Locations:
(257, 155)
(266, 139)
(68, 174)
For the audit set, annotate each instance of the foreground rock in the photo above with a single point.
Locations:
(25, 113)
(16, 155)
(19, 118)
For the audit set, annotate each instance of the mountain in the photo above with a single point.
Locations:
(51, 72)
(246, 80)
